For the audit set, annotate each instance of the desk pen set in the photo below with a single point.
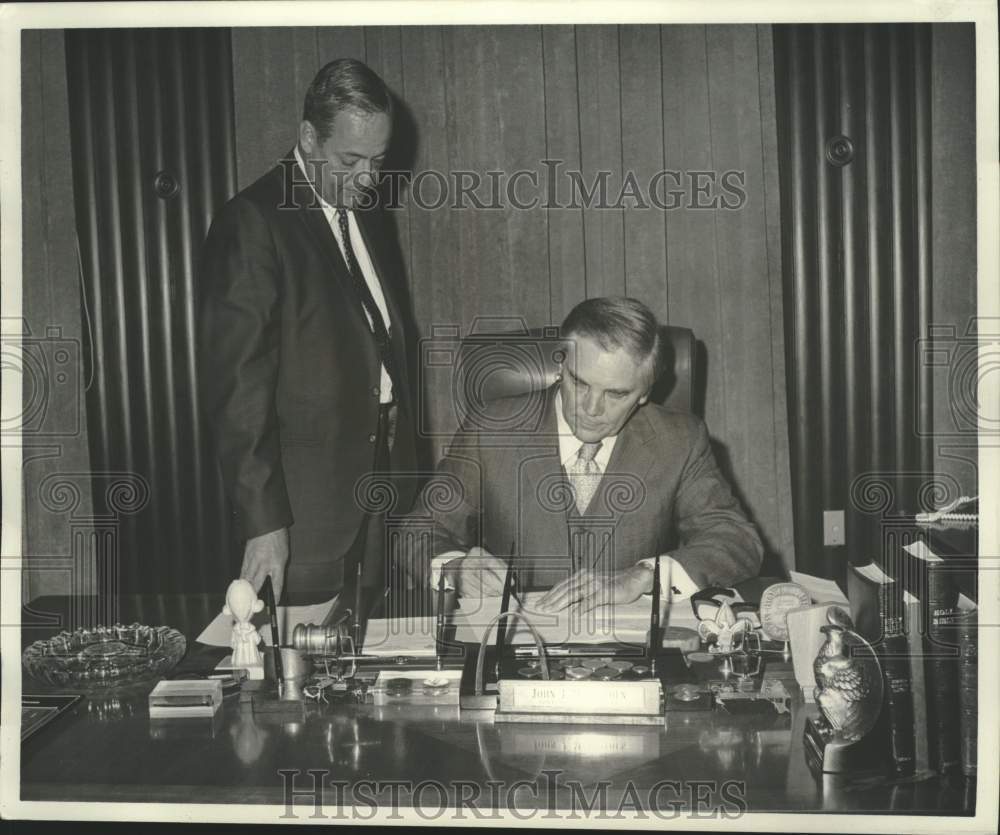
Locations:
(616, 683)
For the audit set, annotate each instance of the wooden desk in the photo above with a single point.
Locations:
(108, 750)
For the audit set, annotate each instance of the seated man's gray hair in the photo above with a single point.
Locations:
(618, 322)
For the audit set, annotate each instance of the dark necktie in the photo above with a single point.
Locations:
(367, 300)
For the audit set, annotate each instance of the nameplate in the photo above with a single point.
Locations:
(634, 698)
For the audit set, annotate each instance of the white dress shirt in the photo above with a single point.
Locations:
(674, 580)
(364, 263)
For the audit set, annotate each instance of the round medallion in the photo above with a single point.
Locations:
(775, 603)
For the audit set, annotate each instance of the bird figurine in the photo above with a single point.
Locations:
(848, 683)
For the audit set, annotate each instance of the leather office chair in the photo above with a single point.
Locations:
(495, 365)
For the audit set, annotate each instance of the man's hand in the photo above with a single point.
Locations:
(588, 588)
(263, 555)
(477, 574)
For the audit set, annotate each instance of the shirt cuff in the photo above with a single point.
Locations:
(437, 563)
(674, 580)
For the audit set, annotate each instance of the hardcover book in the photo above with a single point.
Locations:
(878, 612)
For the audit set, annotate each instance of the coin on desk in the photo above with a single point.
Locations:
(621, 666)
(578, 673)
(592, 663)
(606, 673)
(398, 687)
(701, 657)
(687, 692)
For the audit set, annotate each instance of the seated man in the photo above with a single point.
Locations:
(583, 483)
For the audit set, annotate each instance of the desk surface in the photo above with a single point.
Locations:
(107, 749)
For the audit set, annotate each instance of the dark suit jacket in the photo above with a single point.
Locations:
(501, 484)
(289, 371)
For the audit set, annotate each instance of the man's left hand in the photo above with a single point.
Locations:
(588, 588)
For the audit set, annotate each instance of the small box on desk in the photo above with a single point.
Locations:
(185, 699)
(418, 687)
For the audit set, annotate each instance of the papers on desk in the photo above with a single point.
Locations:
(820, 589)
(220, 630)
(413, 637)
(625, 623)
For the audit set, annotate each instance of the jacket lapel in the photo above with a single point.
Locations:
(312, 216)
(623, 487)
(541, 500)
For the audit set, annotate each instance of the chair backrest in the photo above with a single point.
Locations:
(504, 364)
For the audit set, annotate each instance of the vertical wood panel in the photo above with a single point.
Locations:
(566, 254)
(50, 300)
(471, 124)
(953, 236)
(268, 94)
(599, 82)
(384, 54)
(642, 155)
(743, 279)
(692, 262)
(334, 42)
(781, 528)
(433, 257)
(518, 99)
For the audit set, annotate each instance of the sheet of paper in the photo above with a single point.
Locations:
(820, 589)
(414, 637)
(628, 623)
(220, 630)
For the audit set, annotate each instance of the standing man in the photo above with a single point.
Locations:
(302, 362)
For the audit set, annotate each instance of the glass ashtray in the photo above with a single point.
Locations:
(105, 656)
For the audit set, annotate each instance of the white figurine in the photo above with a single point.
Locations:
(242, 603)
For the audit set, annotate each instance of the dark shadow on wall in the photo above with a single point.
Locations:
(771, 566)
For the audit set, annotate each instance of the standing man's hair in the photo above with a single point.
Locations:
(344, 84)
(618, 322)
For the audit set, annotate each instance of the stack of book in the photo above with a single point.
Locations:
(916, 606)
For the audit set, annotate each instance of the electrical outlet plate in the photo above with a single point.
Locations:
(833, 527)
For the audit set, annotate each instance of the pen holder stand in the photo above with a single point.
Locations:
(296, 667)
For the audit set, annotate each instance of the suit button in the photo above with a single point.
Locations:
(371, 439)
(375, 391)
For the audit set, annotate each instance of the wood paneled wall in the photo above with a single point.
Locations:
(953, 253)
(620, 99)
(57, 490)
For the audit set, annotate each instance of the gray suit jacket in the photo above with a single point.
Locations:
(501, 485)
